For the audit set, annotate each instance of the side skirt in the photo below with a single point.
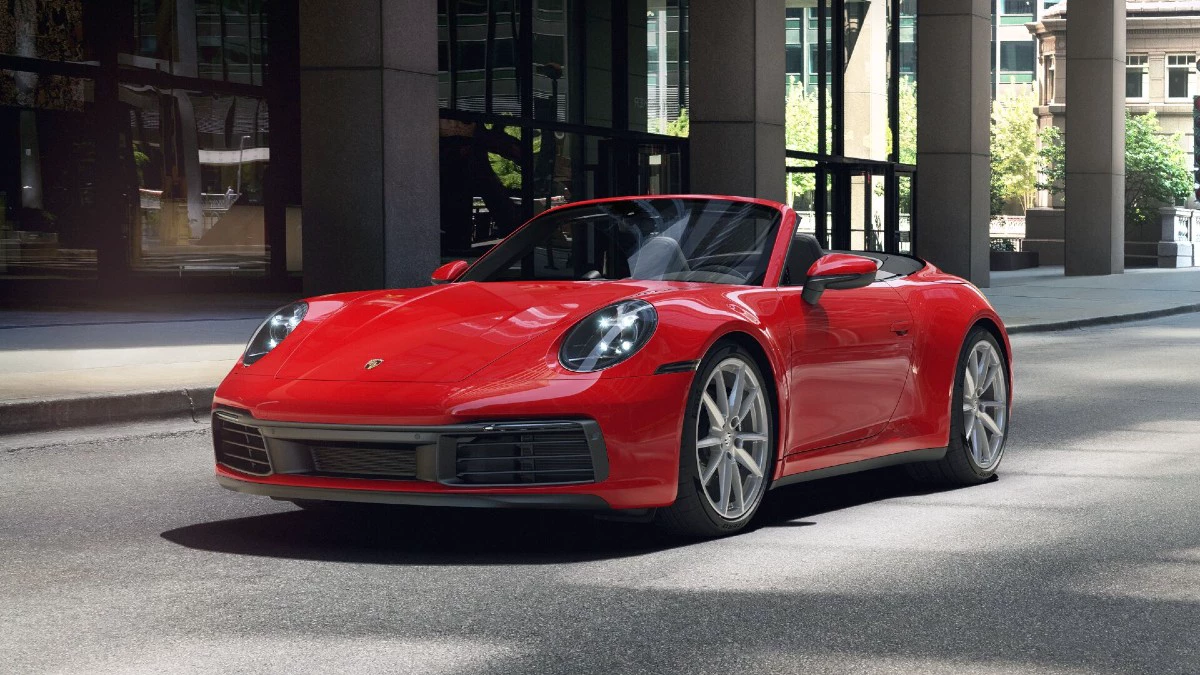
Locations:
(927, 455)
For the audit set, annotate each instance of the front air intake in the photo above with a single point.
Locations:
(538, 457)
(240, 447)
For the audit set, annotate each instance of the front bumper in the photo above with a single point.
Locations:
(630, 436)
(468, 500)
(499, 454)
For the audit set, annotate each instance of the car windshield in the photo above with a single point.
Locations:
(701, 240)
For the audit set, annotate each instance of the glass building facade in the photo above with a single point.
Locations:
(851, 120)
(138, 140)
(150, 145)
(544, 102)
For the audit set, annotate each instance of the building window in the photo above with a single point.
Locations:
(1137, 77)
(1179, 71)
(793, 30)
(1018, 7)
(908, 59)
(1048, 80)
(1017, 56)
(813, 55)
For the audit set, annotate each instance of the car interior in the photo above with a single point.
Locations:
(806, 249)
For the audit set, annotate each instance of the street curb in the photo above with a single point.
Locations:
(1104, 320)
(37, 415)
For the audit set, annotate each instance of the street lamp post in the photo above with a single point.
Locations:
(241, 153)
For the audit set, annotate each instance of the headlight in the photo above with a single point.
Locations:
(608, 337)
(272, 331)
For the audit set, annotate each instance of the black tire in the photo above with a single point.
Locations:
(958, 467)
(692, 515)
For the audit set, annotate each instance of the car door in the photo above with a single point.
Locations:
(850, 357)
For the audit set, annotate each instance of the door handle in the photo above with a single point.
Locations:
(901, 327)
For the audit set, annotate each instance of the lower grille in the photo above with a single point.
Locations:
(477, 454)
(240, 447)
(524, 458)
(364, 461)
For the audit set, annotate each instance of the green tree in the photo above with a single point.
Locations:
(680, 126)
(1052, 161)
(1156, 171)
(508, 170)
(908, 137)
(1014, 152)
(800, 133)
(908, 121)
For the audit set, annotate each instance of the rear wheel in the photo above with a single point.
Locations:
(727, 449)
(978, 416)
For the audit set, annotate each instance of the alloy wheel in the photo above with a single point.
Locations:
(733, 442)
(984, 405)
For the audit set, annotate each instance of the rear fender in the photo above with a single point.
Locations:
(946, 309)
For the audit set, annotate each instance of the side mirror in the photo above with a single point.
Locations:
(838, 271)
(449, 272)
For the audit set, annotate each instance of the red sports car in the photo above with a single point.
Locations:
(674, 356)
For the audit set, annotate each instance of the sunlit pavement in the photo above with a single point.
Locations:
(118, 553)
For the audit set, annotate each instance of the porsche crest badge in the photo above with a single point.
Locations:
(373, 363)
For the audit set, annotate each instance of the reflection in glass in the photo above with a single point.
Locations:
(553, 72)
(43, 29)
(482, 177)
(47, 176)
(553, 169)
(477, 55)
(200, 162)
(222, 40)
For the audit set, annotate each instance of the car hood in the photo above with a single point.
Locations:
(442, 333)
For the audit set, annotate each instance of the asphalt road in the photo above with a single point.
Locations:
(119, 553)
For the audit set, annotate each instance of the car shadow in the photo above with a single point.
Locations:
(400, 535)
(790, 506)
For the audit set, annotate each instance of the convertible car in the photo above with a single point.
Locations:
(669, 358)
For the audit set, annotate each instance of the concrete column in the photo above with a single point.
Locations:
(953, 136)
(369, 138)
(1095, 189)
(867, 88)
(737, 95)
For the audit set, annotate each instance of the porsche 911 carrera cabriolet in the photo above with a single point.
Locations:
(668, 357)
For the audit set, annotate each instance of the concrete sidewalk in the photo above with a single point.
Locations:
(63, 366)
(1043, 299)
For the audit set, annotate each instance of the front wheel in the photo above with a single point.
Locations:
(978, 416)
(727, 450)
